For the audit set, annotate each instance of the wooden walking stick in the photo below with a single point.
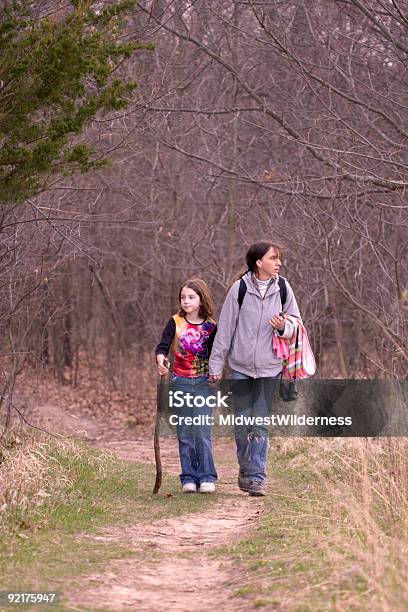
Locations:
(157, 456)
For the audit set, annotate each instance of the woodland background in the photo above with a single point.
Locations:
(250, 119)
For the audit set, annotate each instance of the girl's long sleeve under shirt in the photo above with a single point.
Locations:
(163, 348)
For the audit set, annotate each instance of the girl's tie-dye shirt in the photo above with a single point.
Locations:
(192, 343)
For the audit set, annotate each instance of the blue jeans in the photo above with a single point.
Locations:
(252, 398)
(195, 449)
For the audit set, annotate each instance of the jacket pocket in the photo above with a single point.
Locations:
(266, 357)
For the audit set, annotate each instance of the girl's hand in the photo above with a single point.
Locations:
(162, 365)
(278, 322)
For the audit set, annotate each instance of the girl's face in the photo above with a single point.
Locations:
(190, 301)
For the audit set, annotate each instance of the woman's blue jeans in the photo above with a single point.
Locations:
(252, 397)
(195, 448)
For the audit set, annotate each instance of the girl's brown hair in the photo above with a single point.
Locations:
(201, 289)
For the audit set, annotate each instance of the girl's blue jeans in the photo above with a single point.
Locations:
(195, 448)
(252, 397)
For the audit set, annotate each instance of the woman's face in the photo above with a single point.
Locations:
(189, 300)
(269, 264)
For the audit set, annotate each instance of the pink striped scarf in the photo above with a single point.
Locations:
(296, 353)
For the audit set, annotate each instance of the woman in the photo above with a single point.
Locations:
(244, 336)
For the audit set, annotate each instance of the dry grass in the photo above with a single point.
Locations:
(370, 496)
(335, 532)
(34, 474)
(364, 483)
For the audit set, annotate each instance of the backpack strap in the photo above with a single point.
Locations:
(282, 290)
(241, 292)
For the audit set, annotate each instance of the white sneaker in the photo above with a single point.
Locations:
(207, 487)
(189, 487)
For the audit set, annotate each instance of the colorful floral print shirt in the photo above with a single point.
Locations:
(192, 343)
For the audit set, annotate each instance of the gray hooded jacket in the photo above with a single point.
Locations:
(244, 337)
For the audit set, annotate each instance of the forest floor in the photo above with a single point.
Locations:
(172, 566)
(332, 533)
(183, 574)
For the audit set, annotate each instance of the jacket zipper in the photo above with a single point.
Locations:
(260, 319)
(257, 335)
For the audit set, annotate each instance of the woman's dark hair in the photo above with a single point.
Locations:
(201, 289)
(258, 250)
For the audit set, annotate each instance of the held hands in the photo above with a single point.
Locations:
(213, 378)
(163, 365)
(278, 322)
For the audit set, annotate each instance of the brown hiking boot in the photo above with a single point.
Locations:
(243, 482)
(257, 488)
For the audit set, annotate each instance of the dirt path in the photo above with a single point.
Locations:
(185, 577)
(183, 574)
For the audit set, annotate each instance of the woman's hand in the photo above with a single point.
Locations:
(278, 322)
(162, 365)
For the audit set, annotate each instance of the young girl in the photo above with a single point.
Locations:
(191, 332)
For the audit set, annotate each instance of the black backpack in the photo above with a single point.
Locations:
(282, 290)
